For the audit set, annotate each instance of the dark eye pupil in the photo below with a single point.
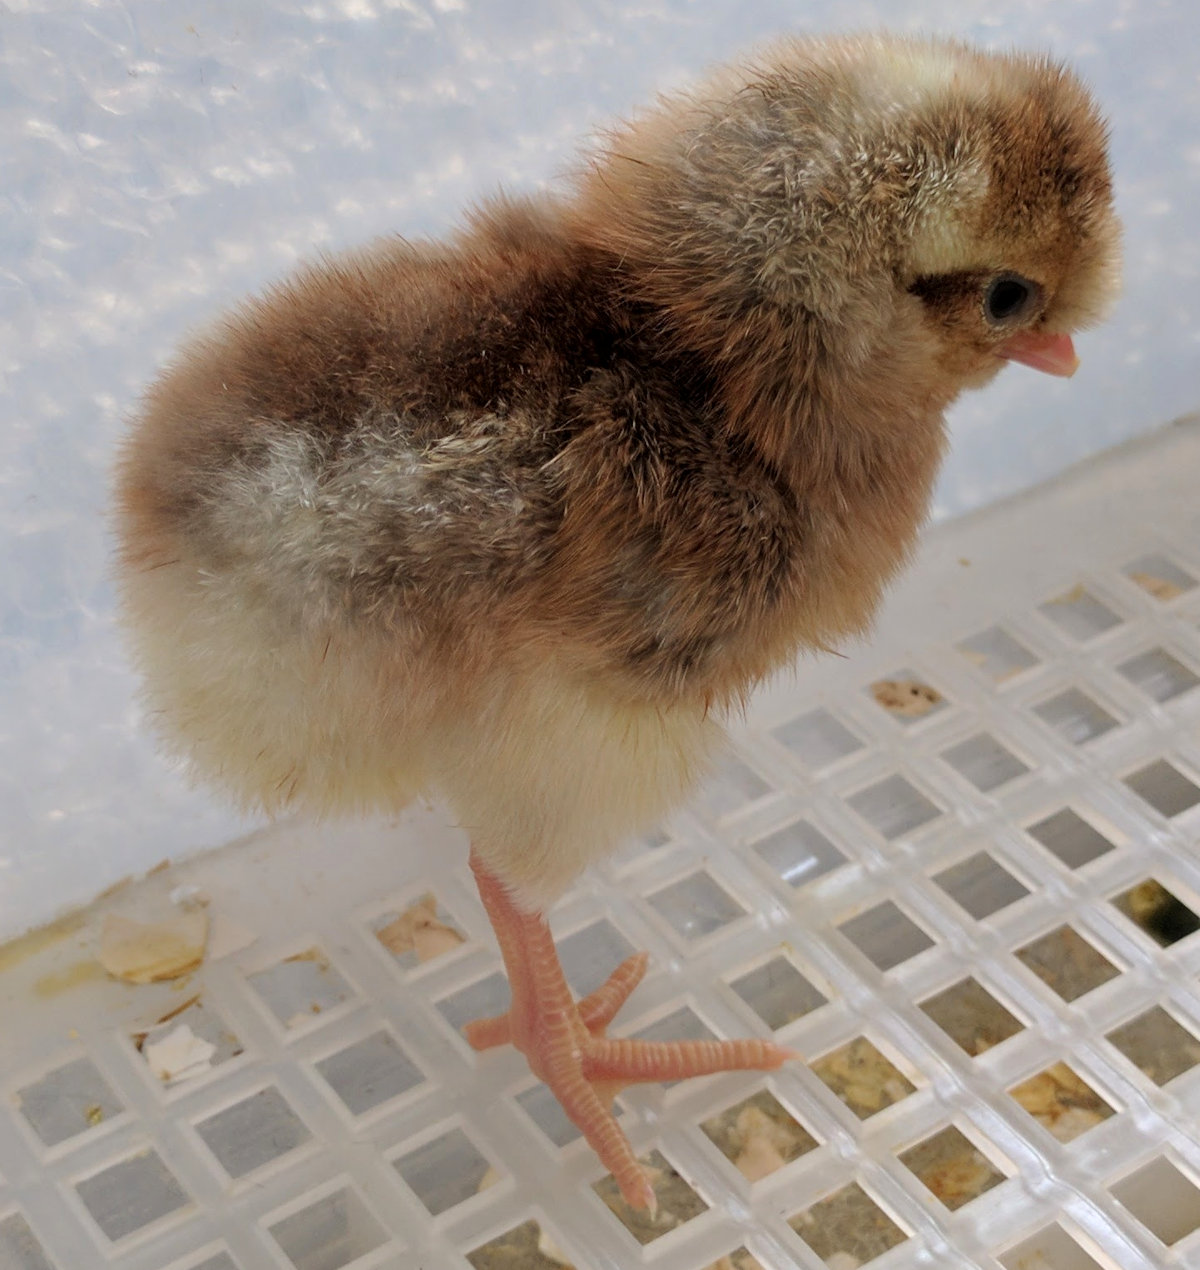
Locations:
(1005, 298)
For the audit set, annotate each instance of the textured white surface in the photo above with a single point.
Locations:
(160, 160)
(843, 879)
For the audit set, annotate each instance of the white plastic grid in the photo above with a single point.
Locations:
(936, 904)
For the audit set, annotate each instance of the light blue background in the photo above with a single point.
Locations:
(159, 160)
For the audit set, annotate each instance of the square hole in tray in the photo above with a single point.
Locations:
(329, 1233)
(656, 843)
(984, 762)
(951, 1167)
(906, 697)
(1070, 838)
(541, 1106)
(131, 1194)
(1162, 1198)
(1067, 963)
(524, 1247)
(1050, 1249)
(847, 1228)
(818, 739)
(1158, 912)
(20, 1248)
(971, 1017)
(300, 987)
(1079, 614)
(799, 853)
(1159, 675)
(1164, 787)
(68, 1101)
(1158, 576)
(1158, 1044)
(778, 993)
(758, 1135)
(478, 1000)
(167, 1049)
(893, 807)
(998, 654)
(886, 935)
(1062, 1102)
(738, 1259)
(444, 1172)
(421, 932)
(732, 786)
(863, 1078)
(222, 1261)
(1075, 716)
(590, 955)
(695, 906)
(369, 1073)
(981, 885)
(677, 1201)
(253, 1132)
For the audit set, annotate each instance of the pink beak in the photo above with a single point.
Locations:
(1055, 354)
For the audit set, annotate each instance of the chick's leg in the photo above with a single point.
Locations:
(564, 1041)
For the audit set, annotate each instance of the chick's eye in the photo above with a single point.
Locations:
(1008, 298)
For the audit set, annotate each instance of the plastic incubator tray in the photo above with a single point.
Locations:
(958, 870)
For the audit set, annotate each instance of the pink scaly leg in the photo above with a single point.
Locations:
(564, 1041)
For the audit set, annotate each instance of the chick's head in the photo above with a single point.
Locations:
(879, 190)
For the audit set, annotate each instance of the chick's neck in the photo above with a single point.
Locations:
(837, 410)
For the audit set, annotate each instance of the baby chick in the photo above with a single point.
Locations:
(519, 517)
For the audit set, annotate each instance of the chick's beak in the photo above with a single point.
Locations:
(1055, 354)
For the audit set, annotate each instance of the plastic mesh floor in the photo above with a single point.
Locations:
(958, 871)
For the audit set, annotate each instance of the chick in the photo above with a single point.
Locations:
(518, 518)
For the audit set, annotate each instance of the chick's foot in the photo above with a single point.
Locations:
(565, 1044)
